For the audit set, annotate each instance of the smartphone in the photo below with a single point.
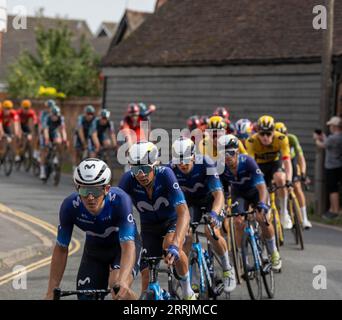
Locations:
(318, 131)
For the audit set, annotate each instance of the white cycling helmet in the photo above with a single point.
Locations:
(229, 142)
(92, 172)
(143, 153)
(243, 128)
(183, 149)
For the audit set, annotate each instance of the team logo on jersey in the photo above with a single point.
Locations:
(83, 282)
(258, 171)
(145, 206)
(112, 196)
(130, 218)
(176, 186)
(76, 203)
(197, 186)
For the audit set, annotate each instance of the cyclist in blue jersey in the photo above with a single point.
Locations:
(85, 138)
(105, 131)
(54, 132)
(248, 187)
(112, 248)
(198, 179)
(164, 214)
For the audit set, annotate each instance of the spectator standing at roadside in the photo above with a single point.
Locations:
(333, 163)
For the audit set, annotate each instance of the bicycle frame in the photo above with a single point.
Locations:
(254, 237)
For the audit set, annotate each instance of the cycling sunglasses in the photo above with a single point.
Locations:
(182, 161)
(266, 133)
(231, 153)
(95, 191)
(145, 169)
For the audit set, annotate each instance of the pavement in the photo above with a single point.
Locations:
(23, 193)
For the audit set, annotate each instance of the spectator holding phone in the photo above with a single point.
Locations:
(333, 162)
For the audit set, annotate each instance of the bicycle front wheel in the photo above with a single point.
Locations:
(267, 272)
(196, 278)
(297, 222)
(234, 251)
(252, 273)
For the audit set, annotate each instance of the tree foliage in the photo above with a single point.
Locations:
(57, 64)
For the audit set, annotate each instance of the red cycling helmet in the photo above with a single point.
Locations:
(133, 109)
(221, 112)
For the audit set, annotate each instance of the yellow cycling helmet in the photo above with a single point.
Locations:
(280, 127)
(216, 122)
(266, 123)
(26, 104)
(7, 104)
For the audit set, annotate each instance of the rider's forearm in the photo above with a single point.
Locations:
(218, 201)
(58, 264)
(81, 136)
(127, 261)
(302, 164)
(288, 169)
(182, 224)
(262, 192)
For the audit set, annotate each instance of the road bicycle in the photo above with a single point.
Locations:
(255, 259)
(26, 155)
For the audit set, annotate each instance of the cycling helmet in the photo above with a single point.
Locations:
(183, 149)
(7, 104)
(217, 123)
(92, 172)
(133, 109)
(56, 111)
(280, 127)
(221, 112)
(105, 114)
(204, 120)
(266, 123)
(89, 109)
(26, 104)
(50, 103)
(243, 128)
(143, 152)
(229, 142)
(193, 123)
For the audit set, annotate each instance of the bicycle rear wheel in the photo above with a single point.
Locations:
(252, 275)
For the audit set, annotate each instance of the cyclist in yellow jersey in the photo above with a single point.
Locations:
(208, 146)
(271, 150)
(299, 170)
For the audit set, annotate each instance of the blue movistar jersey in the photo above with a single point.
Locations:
(248, 175)
(166, 196)
(201, 181)
(114, 224)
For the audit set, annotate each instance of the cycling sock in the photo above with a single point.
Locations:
(283, 205)
(225, 262)
(271, 245)
(304, 213)
(185, 285)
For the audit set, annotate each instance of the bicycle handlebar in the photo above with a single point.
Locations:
(58, 293)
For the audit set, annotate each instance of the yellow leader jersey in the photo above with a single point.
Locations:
(271, 153)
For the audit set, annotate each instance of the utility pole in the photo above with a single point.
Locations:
(325, 106)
